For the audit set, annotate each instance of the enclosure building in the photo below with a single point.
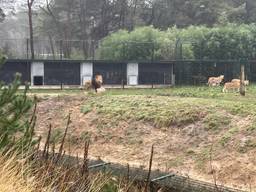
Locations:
(73, 72)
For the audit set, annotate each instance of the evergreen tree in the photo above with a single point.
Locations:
(16, 128)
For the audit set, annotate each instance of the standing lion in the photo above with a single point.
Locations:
(95, 83)
(215, 81)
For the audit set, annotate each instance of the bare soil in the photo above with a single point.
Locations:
(185, 150)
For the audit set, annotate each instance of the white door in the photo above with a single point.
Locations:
(37, 70)
(132, 73)
(86, 71)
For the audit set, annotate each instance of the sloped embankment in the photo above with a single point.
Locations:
(199, 137)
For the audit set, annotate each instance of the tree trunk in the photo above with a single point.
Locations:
(52, 45)
(30, 3)
(242, 86)
(133, 15)
(122, 14)
(83, 12)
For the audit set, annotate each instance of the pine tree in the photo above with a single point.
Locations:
(16, 128)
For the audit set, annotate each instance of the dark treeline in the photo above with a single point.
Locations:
(95, 19)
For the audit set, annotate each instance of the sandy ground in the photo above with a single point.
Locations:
(130, 142)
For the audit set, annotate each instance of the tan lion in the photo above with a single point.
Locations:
(215, 81)
(231, 86)
(95, 83)
(246, 82)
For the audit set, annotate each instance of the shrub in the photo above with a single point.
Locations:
(224, 42)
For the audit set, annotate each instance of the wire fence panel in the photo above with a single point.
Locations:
(66, 73)
(86, 50)
(49, 49)
(115, 50)
(149, 75)
(112, 73)
(14, 48)
(10, 68)
(197, 72)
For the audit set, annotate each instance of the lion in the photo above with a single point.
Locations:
(95, 83)
(231, 86)
(215, 81)
(246, 82)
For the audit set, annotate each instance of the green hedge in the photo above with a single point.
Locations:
(223, 42)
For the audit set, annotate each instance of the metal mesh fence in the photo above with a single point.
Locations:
(49, 49)
(86, 50)
(187, 69)
(113, 51)
(197, 72)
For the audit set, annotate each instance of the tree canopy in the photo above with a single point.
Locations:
(95, 19)
(196, 42)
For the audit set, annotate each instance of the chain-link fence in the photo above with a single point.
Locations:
(120, 50)
(86, 50)
(189, 68)
(49, 49)
(197, 72)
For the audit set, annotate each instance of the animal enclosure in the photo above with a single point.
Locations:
(75, 72)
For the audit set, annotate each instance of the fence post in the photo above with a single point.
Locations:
(242, 76)
(152, 81)
(153, 52)
(123, 75)
(61, 49)
(93, 49)
(28, 66)
(123, 55)
(176, 48)
(123, 46)
(27, 47)
(181, 51)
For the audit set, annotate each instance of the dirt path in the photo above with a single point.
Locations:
(130, 142)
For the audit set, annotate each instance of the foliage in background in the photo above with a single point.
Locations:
(196, 42)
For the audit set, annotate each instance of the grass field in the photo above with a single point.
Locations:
(179, 105)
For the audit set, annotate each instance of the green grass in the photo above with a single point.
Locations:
(178, 106)
(188, 91)
(214, 121)
(159, 110)
(203, 157)
(56, 135)
(252, 127)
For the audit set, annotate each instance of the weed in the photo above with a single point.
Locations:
(224, 140)
(252, 127)
(246, 144)
(190, 152)
(85, 136)
(203, 157)
(178, 161)
(216, 121)
(228, 135)
(56, 135)
(86, 109)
